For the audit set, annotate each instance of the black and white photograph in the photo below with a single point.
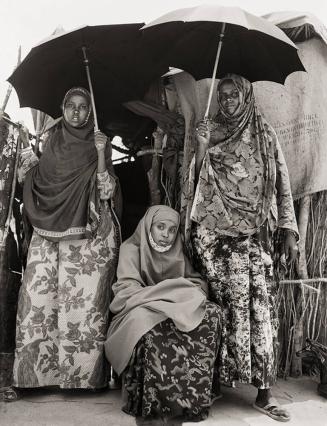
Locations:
(163, 212)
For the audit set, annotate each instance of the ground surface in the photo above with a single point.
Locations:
(49, 407)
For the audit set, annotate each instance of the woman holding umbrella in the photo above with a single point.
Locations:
(241, 205)
(69, 197)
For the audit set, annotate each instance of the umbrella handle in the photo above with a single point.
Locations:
(88, 74)
(214, 73)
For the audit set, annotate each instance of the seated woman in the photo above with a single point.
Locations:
(164, 335)
(63, 305)
(241, 204)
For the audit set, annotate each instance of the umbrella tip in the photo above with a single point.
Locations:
(58, 30)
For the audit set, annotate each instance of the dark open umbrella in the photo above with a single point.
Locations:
(196, 39)
(119, 66)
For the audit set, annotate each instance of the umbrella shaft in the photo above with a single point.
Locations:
(87, 69)
(214, 73)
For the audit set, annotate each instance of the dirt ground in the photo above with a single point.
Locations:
(54, 407)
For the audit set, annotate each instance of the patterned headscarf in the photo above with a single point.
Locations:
(237, 178)
(246, 97)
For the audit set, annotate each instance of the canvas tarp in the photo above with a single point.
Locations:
(293, 19)
(297, 110)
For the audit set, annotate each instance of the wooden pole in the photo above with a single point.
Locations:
(154, 173)
(302, 270)
(303, 227)
(9, 90)
(38, 131)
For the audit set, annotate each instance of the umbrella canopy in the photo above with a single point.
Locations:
(120, 68)
(251, 46)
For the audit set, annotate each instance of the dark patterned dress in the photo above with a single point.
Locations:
(171, 372)
(240, 278)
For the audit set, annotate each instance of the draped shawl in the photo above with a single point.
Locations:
(238, 174)
(150, 288)
(60, 193)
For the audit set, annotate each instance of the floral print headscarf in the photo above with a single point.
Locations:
(237, 178)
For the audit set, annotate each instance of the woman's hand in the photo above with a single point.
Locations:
(100, 140)
(202, 133)
(24, 135)
(290, 246)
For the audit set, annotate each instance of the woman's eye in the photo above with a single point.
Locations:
(83, 107)
(233, 95)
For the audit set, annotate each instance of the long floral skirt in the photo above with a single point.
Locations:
(240, 278)
(171, 372)
(62, 316)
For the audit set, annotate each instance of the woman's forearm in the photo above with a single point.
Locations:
(199, 156)
(100, 141)
(101, 161)
(202, 138)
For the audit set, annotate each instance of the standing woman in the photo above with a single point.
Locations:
(241, 203)
(63, 307)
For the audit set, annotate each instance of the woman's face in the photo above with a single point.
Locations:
(229, 97)
(164, 232)
(76, 110)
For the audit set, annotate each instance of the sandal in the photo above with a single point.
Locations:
(274, 411)
(9, 395)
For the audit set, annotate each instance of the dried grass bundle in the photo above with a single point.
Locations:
(302, 304)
